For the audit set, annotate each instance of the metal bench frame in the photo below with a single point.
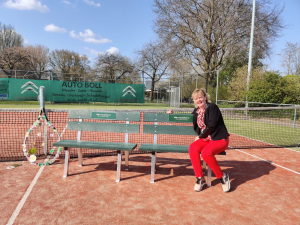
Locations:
(106, 127)
(165, 129)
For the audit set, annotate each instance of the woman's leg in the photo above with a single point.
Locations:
(194, 151)
(208, 154)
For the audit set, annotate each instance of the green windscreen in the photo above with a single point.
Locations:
(68, 91)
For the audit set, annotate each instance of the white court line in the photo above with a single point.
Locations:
(25, 196)
(269, 162)
(266, 142)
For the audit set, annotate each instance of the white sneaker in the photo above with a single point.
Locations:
(225, 182)
(199, 184)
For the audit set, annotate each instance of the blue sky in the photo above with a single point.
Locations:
(291, 18)
(84, 26)
(93, 26)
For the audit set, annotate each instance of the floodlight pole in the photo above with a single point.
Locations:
(250, 52)
(217, 87)
(143, 71)
(169, 91)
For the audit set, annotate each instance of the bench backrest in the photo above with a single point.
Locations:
(168, 128)
(104, 116)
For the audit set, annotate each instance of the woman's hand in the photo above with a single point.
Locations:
(170, 111)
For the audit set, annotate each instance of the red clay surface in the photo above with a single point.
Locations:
(261, 193)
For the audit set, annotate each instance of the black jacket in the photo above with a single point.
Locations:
(214, 122)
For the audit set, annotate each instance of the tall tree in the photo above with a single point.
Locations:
(14, 58)
(290, 58)
(211, 30)
(9, 37)
(72, 65)
(155, 59)
(113, 67)
(237, 86)
(39, 58)
(11, 54)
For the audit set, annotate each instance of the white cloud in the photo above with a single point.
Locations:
(73, 35)
(90, 37)
(68, 3)
(92, 3)
(93, 52)
(53, 28)
(112, 51)
(26, 42)
(26, 5)
(87, 34)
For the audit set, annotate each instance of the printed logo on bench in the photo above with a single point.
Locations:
(101, 115)
(183, 118)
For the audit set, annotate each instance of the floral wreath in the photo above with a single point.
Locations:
(30, 155)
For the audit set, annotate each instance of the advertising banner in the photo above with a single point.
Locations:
(70, 91)
(3, 88)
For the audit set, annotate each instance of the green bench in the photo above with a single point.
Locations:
(168, 129)
(103, 126)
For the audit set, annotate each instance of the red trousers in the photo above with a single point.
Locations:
(208, 150)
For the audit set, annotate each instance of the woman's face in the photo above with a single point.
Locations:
(200, 101)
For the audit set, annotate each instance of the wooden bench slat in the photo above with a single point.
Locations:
(164, 117)
(164, 148)
(156, 117)
(104, 127)
(96, 145)
(104, 115)
(167, 148)
(169, 129)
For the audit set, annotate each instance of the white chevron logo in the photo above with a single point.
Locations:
(128, 87)
(29, 83)
(129, 91)
(30, 88)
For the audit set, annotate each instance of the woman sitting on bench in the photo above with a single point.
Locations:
(212, 139)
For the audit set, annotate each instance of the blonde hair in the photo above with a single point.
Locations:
(201, 91)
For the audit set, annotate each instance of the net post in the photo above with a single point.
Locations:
(42, 105)
(42, 96)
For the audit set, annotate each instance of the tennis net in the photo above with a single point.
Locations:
(267, 127)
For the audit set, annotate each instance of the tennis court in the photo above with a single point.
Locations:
(261, 192)
(265, 180)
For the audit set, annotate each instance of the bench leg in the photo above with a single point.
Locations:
(153, 159)
(208, 176)
(66, 166)
(126, 160)
(119, 162)
(79, 152)
(204, 164)
(208, 169)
